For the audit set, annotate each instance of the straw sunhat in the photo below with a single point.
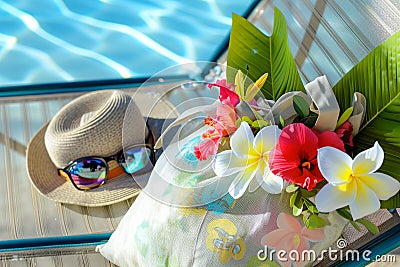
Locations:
(91, 125)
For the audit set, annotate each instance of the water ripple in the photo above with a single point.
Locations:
(11, 44)
(32, 24)
(44, 41)
(138, 36)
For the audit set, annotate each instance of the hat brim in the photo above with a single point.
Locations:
(44, 177)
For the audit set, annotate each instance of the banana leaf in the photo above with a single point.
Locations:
(254, 53)
(377, 76)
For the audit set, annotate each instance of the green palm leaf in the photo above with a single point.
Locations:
(248, 46)
(377, 77)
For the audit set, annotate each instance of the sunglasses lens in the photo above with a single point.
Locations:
(88, 173)
(135, 159)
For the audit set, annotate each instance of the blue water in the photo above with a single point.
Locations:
(46, 41)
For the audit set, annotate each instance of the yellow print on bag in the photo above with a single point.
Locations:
(222, 238)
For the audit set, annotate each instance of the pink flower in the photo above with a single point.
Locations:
(227, 91)
(290, 236)
(226, 119)
(295, 155)
(223, 125)
(345, 132)
(209, 146)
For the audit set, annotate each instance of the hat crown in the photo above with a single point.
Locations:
(91, 125)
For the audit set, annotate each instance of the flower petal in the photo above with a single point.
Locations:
(242, 140)
(345, 132)
(313, 235)
(270, 182)
(225, 120)
(309, 178)
(298, 142)
(369, 160)
(226, 91)
(383, 185)
(274, 238)
(365, 203)
(288, 222)
(206, 149)
(334, 165)
(280, 166)
(254, 184)
(253, 89)
(266, 139)
(331, 197)
(227, 163)
(239, 82)
(242, 180)
(329, 138)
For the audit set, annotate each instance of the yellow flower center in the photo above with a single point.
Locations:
(296, 240)
(264, 156)
(306, 165)
(350, 185)
(210, 135)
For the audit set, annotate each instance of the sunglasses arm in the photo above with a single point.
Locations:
(62, 173)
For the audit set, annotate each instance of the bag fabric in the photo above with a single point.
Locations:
(185, 218)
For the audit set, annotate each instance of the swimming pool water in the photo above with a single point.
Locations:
(47, 41)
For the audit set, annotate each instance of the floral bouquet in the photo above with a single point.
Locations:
(307, 153)
(273, 165)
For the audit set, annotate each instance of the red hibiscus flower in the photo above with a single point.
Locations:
(345, 132)
(295, 155)
(226, 91)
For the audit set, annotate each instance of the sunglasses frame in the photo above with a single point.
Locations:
(74, 162)
(117, 157)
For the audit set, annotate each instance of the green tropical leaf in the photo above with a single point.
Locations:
(310, 206)
(345, 214)
(314, 221)
(291, 188)
(250, 47)
(345, 116)
(355, 225)
(369, 225)
(301, 106)
(293, 198)
(281, 121)
(377, 77)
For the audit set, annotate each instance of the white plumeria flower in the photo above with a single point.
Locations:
(248, 159)
(354, 182)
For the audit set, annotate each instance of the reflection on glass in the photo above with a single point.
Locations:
(136, 159)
